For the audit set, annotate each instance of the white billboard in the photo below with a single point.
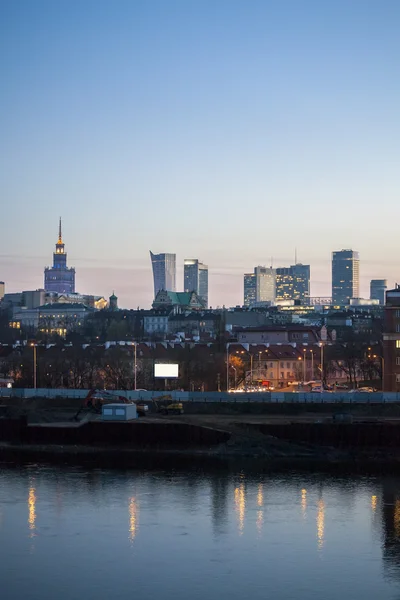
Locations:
(166, 370)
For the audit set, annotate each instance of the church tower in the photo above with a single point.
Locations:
(59, 278)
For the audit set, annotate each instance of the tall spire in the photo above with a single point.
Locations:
(59, 233)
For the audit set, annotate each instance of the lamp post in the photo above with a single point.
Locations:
(34, 365)
(383, 370)
(234, 368)
(227, 366)
(322, 366)
(304, 364)
(312, 363)
(135, 364)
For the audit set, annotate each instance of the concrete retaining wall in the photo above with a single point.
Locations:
(377, 397)
(133, 434)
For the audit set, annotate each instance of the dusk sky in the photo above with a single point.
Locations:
(229, 131)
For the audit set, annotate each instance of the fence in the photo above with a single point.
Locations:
(272, 397)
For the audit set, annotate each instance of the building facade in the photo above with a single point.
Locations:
(259, 287)
(345, 277)
(59, 278)
(196, 278)
(378, 289)
(293, 283)
(391, 342)
(164, 272)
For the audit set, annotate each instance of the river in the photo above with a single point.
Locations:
(71, 533)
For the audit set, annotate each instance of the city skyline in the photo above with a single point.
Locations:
(205, 130)
(176, 274)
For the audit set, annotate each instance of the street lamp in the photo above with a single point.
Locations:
(34, 365)
(383, 370)
(304, 363)
(312, 363)
(227, 366)
(234, 368)
(135, 364)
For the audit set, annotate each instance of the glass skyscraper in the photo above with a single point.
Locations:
(378, 289)
(164, 272)
(196, 278)
(345, 277)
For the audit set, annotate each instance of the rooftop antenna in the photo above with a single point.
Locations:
(272, 262)
(59, 233)
(295, 256)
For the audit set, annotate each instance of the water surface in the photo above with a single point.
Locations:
(71, 533)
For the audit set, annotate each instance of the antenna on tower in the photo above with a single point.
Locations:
(295, 256)
(272, 262)
(59, 233)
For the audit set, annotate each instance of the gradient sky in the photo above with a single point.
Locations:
(229, 131)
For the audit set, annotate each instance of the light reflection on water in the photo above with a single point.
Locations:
(208, 534)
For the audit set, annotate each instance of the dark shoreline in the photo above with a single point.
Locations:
(177, 459)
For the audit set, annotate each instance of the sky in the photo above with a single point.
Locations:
(232, 131)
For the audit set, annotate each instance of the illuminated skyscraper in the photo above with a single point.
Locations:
(259, 287)
(59, 278)
(293, 283)
(345, 277)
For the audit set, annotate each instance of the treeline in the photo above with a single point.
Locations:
(63, 366)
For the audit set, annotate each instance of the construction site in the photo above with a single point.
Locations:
(290, 435)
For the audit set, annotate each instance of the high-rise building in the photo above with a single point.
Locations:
(164, 272)
(250, 287)
(196, 278)
(259, 286)
(59, 278)
(293, 283)
(390, 360)
(345, 276)
(2, 289)
(378, 289)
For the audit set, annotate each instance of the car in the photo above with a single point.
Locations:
(362, 390)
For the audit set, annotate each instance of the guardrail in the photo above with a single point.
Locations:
(289, 397)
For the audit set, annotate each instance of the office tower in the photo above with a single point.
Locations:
(2, 289)
(259, 286)
(250, 287)
(196, 278)
(59, 278)
(378, 289)
(390, 359)
(293, 283)
(345, 277)
(164, 272)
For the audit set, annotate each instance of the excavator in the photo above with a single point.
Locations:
(166, 406)
(95, 400)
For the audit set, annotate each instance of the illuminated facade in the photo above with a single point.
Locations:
(259, 287)
(345, 277)
(293, 283)
(59, 278)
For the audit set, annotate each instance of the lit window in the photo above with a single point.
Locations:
(397, 343)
